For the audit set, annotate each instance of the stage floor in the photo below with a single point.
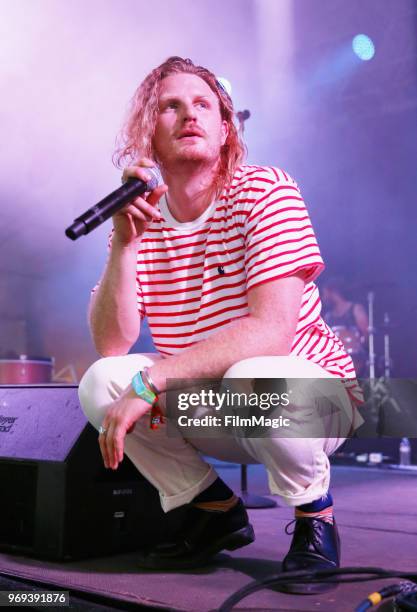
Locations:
(376, 512)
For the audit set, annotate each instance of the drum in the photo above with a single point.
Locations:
(351, 340)
(26, 370)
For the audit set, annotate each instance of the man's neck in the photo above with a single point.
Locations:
(190, 189)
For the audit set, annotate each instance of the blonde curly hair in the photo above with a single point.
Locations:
(135, 138)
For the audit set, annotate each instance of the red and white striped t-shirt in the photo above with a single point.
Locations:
(193, 278)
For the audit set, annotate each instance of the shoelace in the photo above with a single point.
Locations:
(308, 528)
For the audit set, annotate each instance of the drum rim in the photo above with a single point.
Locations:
(29, 360)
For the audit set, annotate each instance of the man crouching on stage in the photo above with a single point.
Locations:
(221, 258)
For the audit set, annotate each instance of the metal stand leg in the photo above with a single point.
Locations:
(249, 500)
(371, 338)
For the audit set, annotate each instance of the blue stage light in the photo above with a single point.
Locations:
(363, 46)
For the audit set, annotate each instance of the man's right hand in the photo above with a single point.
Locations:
(132, 220)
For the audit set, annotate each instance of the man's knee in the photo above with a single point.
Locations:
(106, 379)
(245, 368)
(275, 366)
(87, 389)
(96, 374)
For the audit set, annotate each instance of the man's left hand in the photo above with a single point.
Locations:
(120, 419)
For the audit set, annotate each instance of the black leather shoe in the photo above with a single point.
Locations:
(204, 535)
(315, 546)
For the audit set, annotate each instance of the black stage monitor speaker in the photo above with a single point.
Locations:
(57, 499)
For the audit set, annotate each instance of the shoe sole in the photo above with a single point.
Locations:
(305, 588)
(231, 541)
(239, 538)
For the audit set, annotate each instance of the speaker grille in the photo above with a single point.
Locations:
(18, 503)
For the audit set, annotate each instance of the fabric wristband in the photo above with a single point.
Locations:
(141, 390)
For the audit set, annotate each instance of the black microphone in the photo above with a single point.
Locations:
(107, 207)
(243, 115)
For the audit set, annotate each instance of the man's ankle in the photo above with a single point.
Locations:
(218, 497)
(321, 508)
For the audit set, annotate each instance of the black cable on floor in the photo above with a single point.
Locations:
(309, 576)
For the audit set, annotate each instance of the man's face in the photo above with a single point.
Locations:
(189, 126)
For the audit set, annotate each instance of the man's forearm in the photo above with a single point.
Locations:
(114, 317)
(247, 337)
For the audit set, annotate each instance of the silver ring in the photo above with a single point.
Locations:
(102, 430)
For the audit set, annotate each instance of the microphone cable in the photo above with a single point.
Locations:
(406, 589)
(353, 574)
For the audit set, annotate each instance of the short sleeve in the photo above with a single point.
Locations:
(279, 237)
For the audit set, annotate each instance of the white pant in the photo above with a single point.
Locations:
(298, 468)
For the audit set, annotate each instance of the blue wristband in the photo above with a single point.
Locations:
(141, 390)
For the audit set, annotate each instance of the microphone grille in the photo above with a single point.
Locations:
(156, 178)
